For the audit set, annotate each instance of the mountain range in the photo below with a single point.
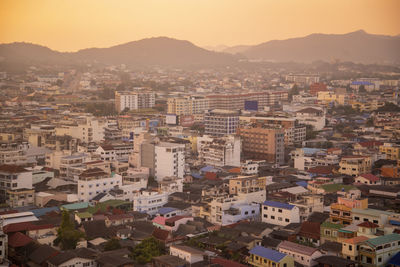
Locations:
(359, 47)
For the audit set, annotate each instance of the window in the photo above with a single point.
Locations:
(380, 259)
(265, 208)
(280, 210)
(273, 217)
(265, 216)
(350, 247)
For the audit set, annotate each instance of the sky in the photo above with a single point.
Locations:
(70, 25)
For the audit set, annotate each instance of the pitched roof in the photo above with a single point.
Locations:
(277, 204)
(310, 229)
(309, 110)
(12, 168)
(356, 240)
(298, 248)
(18, 239)
(188, 249)
(160, 234)
(368, 225)
(370, 177)
(226, 263)
(84, 253)
(42, 254)
(383, 239)
(334, 261)
(267, 253)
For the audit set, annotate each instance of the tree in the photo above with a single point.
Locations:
(293, 91)
(112, 244)
(361, 89)
(67, 235)
(310, 133)
(146, 250)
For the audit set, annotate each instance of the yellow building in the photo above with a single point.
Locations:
(355, 165)
(245, 184)
(367, 106)
(265, 257)
(327, 97)
(392, 151)
(340, 214)
(351, 247)
(187, 105)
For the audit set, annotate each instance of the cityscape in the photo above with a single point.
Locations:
(265, 147)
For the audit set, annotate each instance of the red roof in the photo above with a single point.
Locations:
(370, 143)
(161, 234)
(310, 230)
(175, 218)
(24, 226)
(322, 169)
(368, 225)
(370, 177)
(18, 240)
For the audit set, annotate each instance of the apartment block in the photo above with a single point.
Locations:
(220, 122)
(279, 213)
(133, 100)
(392, 151)
(355, 165)
(219, 151)
(188, 105)
(262, 142)
(16, 186)
(95, 181)
(169, 160)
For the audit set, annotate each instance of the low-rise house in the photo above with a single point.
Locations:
(74, 258)
(351, 247)
(279, 213)
(118, 219)
(301, 254)
(330, 231)
(378, 251)
(81, 217)
(261, 256)
(334, 261)
(189, 254)
(367, 178)
(309, 233)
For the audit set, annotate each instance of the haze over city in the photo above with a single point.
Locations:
(74, 25)
(216, 133)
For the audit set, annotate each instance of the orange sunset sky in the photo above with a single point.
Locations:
(69, 25)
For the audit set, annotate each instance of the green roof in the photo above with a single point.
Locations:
(114, 203)
(76, 206)
(330, 188)
(371, 212)
(383, 240)
(84, 215)
(332, 225)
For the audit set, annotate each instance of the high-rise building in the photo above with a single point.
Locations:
(16, 186)
(219, 151)
(132, 100)
(260, 141)
(169, 160)
(220, 122)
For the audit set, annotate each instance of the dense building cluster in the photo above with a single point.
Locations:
(270, 166)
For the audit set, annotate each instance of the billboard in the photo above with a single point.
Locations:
(171, 119)
(186, 120)
(251, 105)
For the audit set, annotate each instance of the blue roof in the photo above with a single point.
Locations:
(43, 211)
(196, 175)
(361, 83)
(395, 260)
(302, 183)
(165, 210)
(207, 169)
(393, 222)
(311, 151)
(277, 204)
(267, 253)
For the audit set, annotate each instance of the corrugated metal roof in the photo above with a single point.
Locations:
(267, 253)
(277, 204)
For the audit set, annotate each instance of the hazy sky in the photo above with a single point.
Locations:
(69, 25)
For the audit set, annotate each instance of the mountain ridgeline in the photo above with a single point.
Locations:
(359, 47)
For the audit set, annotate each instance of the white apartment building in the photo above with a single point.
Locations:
(132, 100)
(251, 167)
(306, 158)
(311, 116)
(66, 162)
(230, 210)
(279, 213)
(169, 160)
(14, 153)
(219, 152)
(114, 151)
(171, 185)
(14, 178)
(95, 181)
(149, 202)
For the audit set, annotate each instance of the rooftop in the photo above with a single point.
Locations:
(267, 253)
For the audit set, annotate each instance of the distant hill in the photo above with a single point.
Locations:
(356, 46)
(151, 51)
